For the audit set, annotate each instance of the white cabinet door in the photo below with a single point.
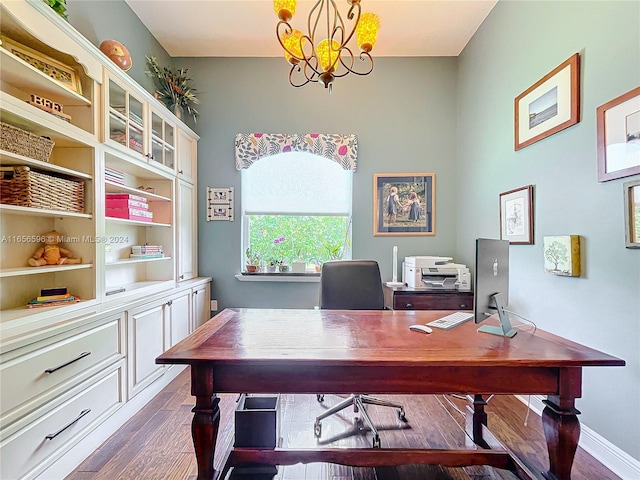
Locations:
(187, 156)
(186, 223)
(201, 308)
(179, 313)
(146, 333)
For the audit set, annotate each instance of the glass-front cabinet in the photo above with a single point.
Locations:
(162, 141)
(126, 118)
(138, 126)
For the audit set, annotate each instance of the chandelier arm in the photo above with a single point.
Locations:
(364, 56)
(291, 77)
(350, 16)
(312, 30)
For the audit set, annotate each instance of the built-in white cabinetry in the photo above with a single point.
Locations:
(66, 370)
(200, 305)
(178, 317)
(187, 238)
(146, 335)
(188, 156)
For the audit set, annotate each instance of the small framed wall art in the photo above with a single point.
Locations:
(618, 123)
(516, 216)
(632, 214)
(562, 255)
(549, 105)
(219, 203)
(404, 204)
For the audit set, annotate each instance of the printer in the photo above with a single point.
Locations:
(435, 272)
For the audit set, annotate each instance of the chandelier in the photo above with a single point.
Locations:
(322, 54)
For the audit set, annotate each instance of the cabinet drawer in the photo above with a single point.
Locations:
(42, 370)
(53, 429)
(436, 301)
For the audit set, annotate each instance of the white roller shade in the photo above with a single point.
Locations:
(296, 183)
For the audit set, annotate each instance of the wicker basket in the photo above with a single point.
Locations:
(16, 140)
(24, 187)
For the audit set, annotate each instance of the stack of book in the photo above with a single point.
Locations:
(146, 251)
(113, 175)
(129, 206)
(50, 297)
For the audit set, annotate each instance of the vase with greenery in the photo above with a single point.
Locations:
(174, 88)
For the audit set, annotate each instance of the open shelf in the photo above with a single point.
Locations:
(113, 187)
(18, 271)
(18, 72)
(135, 222)
(17, 210)
(127, 261)
(10, 158)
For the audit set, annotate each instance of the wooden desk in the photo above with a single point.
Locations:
(339, 351)
(408, 298)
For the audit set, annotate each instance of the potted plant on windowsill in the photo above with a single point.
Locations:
(253, 260)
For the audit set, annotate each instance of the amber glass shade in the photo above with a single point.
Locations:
(327, 56)
(367, 31)
(293, 42)
(285, 9)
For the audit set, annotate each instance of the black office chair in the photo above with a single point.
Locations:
(353, 285)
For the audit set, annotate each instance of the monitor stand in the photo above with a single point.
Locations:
(505, 329)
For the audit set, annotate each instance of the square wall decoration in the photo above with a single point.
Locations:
(562, 255)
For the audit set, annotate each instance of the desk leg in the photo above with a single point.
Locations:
(206, 420)
(562, 431)
(475, 419)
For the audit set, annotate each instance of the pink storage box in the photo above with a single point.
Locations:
(125, 203)
(130, 214)
(127, 196)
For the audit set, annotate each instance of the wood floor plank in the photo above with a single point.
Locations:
(156, 443)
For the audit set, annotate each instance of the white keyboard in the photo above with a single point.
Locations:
(452, 320)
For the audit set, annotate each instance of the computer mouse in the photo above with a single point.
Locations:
(420, 328)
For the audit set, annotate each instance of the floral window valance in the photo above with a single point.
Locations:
(251, 147)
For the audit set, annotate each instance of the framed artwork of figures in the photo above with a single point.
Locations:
(404, 204)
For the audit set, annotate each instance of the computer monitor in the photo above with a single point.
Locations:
(491, 293)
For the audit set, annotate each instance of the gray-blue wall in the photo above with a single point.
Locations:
(516, 45)
(404, 115)
(454, 117)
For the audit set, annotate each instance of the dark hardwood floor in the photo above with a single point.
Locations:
(156, 442)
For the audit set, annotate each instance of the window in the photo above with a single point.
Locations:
(296, 206)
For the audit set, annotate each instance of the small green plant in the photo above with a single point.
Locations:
(253, 257)
(58, 6)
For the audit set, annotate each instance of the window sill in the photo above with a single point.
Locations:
(280, 277)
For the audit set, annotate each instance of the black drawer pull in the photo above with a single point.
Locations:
(82, 355)
(51, 436)
(409, 305)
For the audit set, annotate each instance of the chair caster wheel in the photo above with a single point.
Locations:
(320, 398)
(317, 430)
(401, 416)
(376, 441)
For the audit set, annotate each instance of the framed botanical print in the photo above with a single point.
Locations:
(403, 204)
(516, 216)
(618, 123)
(549, 105)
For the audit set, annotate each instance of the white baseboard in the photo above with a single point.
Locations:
(605, 452)
(70, 460)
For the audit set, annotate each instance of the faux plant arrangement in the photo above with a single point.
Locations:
(174, 88)
(59, 6)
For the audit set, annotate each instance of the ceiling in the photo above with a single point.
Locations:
(246, 28)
